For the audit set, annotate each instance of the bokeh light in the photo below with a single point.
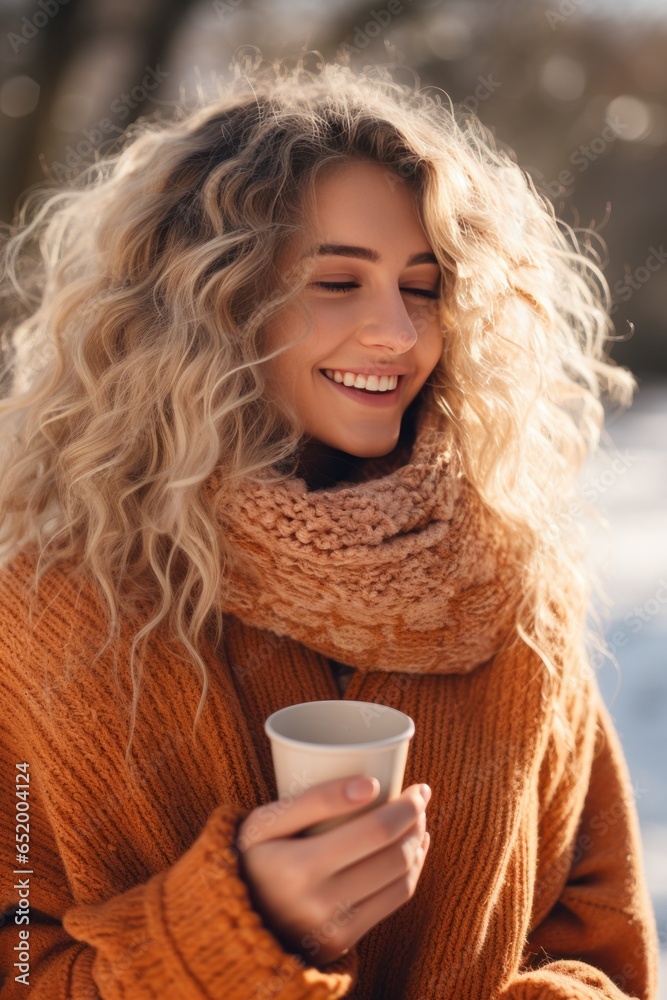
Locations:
(563, 78)
(19, 96)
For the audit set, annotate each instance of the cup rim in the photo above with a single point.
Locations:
(326, 748)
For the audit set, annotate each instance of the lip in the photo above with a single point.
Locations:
(366, 398)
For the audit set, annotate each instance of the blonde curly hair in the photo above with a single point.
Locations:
(134, 348)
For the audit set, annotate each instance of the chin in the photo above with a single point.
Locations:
(370, 451)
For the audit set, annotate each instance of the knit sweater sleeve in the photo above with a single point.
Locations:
(599, 938)
(186, 929)
(189, 931)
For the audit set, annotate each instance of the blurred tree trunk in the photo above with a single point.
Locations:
(140, 31)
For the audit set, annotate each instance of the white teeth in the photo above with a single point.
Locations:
(372, 383)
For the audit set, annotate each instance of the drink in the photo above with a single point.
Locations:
(316, 741)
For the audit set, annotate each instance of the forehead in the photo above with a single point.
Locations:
(362, 182)
(364, 204)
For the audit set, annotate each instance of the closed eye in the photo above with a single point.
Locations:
(349, 285)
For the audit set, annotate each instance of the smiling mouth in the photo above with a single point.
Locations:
(369, 392)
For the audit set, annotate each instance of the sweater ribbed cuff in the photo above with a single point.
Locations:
(222, 941)
(192, 931)
(563, 979)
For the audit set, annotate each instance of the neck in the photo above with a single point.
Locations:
(321, 465)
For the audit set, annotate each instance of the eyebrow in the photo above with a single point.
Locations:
(365, 253)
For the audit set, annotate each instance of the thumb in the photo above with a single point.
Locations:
(288, 817)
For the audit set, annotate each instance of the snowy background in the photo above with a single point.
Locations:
(635, 503)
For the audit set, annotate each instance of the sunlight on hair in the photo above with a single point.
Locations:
(134, 349)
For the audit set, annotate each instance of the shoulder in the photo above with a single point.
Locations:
(61, 588)
(40, 621)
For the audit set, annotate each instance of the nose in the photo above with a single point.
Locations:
(391, 326)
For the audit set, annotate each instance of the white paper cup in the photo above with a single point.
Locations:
(316, 741)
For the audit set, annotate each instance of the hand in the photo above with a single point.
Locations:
(358, 872)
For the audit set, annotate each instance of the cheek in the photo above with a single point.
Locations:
(428, 325)
(287, 368)
(433, 348)
(296, 377)
(328, 329)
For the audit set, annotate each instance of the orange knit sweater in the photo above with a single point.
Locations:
(533, 886)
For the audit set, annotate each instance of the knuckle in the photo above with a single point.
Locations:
(329, 930)
(415, 871)
(407, 849)
(413, 806)
(414, 844)
(295, 874)
(318, 913)
(277, 866)
(309, 856)
(417, 804)
(382, 825)
(407, 884)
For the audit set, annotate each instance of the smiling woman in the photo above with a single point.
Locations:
(300, 383)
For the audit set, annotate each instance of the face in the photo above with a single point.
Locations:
(385, 318)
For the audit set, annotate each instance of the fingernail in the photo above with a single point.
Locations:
(360, 788)
(425, 792)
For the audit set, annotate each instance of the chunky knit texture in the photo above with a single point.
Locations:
(407, 571)
(533, 886)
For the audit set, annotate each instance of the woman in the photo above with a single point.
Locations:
(317, 371)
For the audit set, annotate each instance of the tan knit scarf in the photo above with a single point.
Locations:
(402, 570)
